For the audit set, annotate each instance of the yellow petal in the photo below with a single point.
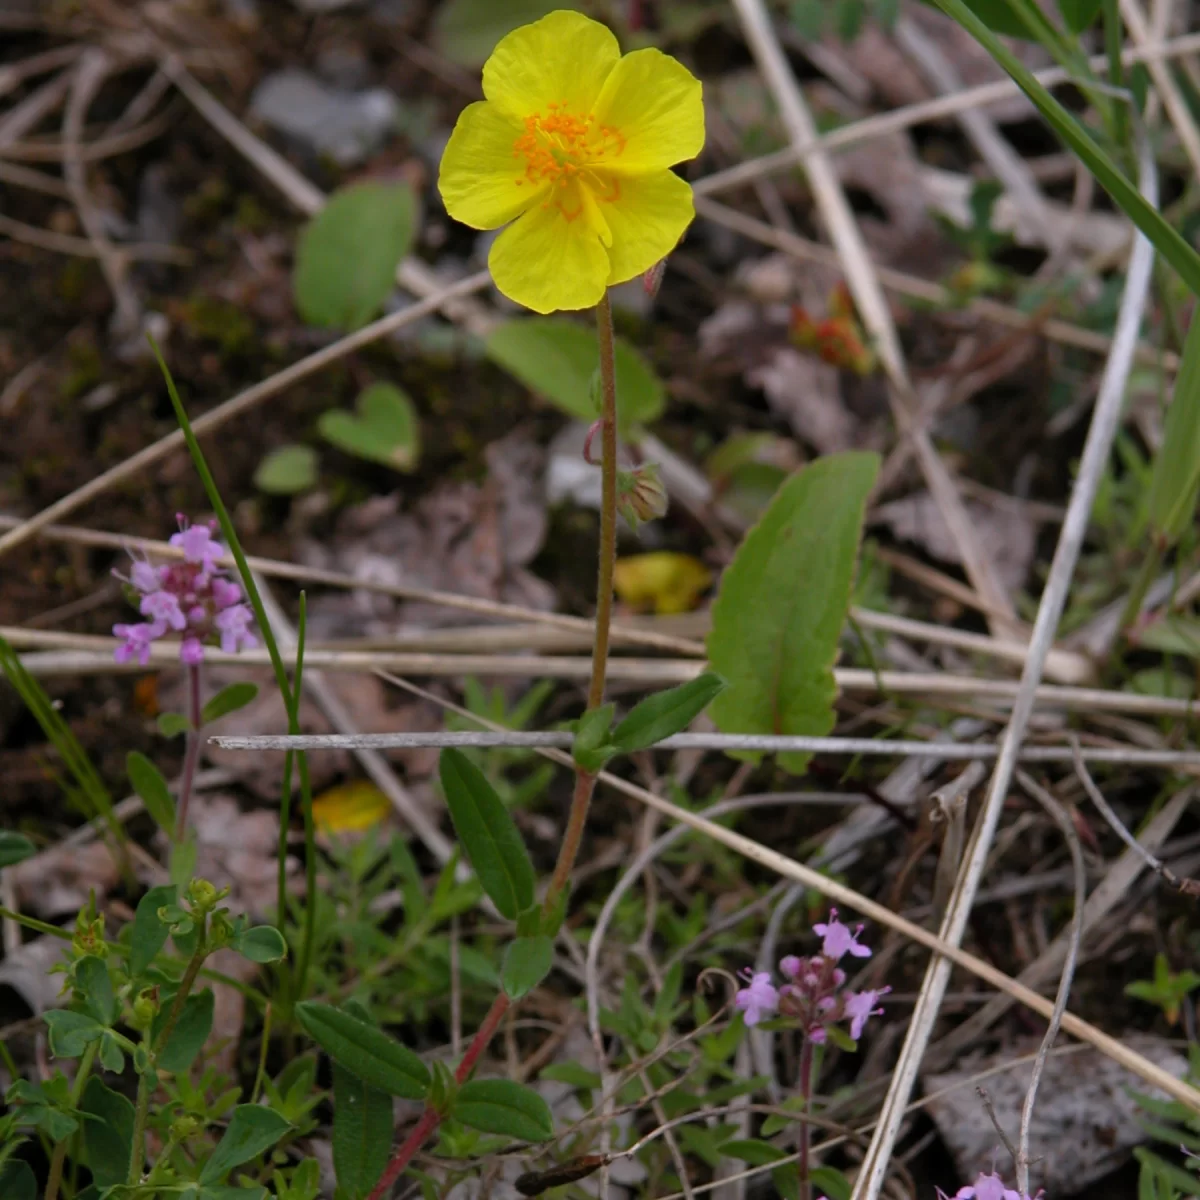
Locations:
(646, 218)
(671, 582)
(548, 262)
(562, 59)
(350, 807)
(655, 104)
(482, 184)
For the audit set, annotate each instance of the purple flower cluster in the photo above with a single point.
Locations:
(813, 996)
(987, 1187)
(193, 598)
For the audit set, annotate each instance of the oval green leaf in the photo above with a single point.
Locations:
(347, 256)
(14, 848)
(71, 1032)
(262, 944)
(148, 782)
(107, 1133)
(287, 470)
(252, 1129)
(362, 1133)
(783, 602)
(149, 933)
(384, 428)
(501, 1106)
(557, 357)
(92, 981)
(665, 713)
(190, 1033)
(227, 700)
(488, 834)
(527, 961)
(365, 1051)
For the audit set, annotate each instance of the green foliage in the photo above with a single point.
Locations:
(814, 18)
(228, 700)
(287, 470)
(383, 428)
(192, 1028)
(557, 358)
(488, 834)
(261, 944)
(1168, 989)
(172, 724)
(1079, 15)
(147, 780)
(107, 1132)
(17, 1181)
(1176, 1127)
(347, 256)
(362, 1133)
(252, 1130)
(501, 1106)
(365, 1051)
(14, 848)
(527, 961)
(1175, 479)
(783, 602)
(665, 713)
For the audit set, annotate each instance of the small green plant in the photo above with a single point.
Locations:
(1167, 990)
(1175, 1126)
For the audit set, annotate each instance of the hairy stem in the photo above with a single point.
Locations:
(585, 782)
(59, 1157)
(192, 754)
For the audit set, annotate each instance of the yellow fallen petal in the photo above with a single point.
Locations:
(670, 582)
(480, 183)
(655, 103)
(562, 59)
(552, 258)
(646, 216)
(350, 807)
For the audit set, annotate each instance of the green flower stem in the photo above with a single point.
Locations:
(137, 1153)
(54, 1176)
(192, 755)
(585, 781)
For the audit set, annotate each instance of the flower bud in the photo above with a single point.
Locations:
(184, 1127)
(145, 1008)
(652, 279)
(641, 495)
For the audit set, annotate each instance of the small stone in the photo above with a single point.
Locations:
(346, 127)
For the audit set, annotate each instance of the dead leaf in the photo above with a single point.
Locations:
(1005, 533)
(350, 808)
(804, 391)
(1084, 1125)
(58, 881)
(27, 972)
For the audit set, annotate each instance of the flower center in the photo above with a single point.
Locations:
(562, 147)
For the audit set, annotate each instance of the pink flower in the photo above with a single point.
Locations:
(225, 592)
(860, 1006)
(839, 939)
(232, 624)
(143, 576)
(196, 542)
(987, 1187)
(790, 966)
(759, 999)
(136, 640)
(191, 652)
(163, 606)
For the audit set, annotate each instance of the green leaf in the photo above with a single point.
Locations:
(227, 700)
(14, 848)
(172, 724)
(71, 1032)
(527, 961)
(261, 944)
(573, 1073)
(1175, 481)
(833, 1183)
(665, 713)
(252, 1129)
(757, 1153)
(1165, 237)
(190, 1033)
(384, 428)
(466, 31)
(488, 834)
(92, 980)
(107, 1133)
(365, 1051)
(148, 782)
(287, 470)
(783, 602)
(347, 256)
(501, 1106)
(1078, 15)
(362, 1133)
(1000, 16)
(557, 357)
(221, 1192)
(17, 1181)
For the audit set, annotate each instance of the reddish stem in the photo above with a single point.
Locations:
(191, 755)
(802, 1138)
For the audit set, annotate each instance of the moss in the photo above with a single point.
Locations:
(213, 320)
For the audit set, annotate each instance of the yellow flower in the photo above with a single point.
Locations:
(574, 146)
